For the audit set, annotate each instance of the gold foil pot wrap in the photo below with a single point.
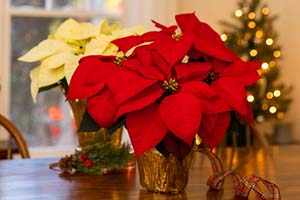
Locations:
(158, 174)
(87, 138)
(116, 137)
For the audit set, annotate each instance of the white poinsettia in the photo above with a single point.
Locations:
(102, 43)
(60, 53)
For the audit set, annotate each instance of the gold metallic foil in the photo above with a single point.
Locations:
(87, 138)
(158, 174)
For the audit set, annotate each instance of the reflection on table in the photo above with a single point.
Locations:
(32, 178)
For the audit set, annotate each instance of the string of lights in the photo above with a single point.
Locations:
(254, 39)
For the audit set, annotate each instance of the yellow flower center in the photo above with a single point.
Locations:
(77, 45)
(170, 85)
(119, 58)
(176, 36)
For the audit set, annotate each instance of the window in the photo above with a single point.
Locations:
(48, 122)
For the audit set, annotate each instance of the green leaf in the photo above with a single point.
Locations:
(62, 82)
(64, 85)
(162, 149)
(88, 124)
(42, 89)
(116, 125)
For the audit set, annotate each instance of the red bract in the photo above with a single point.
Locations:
(207, 40)
(170, 87)
(231, 84)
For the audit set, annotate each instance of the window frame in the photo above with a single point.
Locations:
(135, 12)
(7, 12)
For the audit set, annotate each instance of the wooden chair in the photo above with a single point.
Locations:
(14, 134)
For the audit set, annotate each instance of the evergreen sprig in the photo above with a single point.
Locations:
(99, 156)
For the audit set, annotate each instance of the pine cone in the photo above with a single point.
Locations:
(67, 164)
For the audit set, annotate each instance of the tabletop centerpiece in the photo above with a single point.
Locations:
(167, 87)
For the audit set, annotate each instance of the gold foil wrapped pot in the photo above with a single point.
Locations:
(158, 174)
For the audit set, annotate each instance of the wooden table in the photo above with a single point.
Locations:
(31, 179)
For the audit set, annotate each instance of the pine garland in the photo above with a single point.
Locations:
(95, 159)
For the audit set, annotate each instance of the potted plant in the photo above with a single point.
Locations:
(58, 57)
(167, 87)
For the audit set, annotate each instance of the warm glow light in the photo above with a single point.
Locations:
(253, 52)
(265, 66)
(260, 72)
(238, 13)
(55, 113)
(269, 41)
(277, 93)
(239, 42)
(251, 24)
(272, 63)
(276, 54)
(269, 95)
(260, 118)
(224, 37)
(265, 106)
(259, 33)
(265, 11)
(280, 115)
(250, 98)
(251, 15)
(272, 109)
(244, 57)
(247, 36)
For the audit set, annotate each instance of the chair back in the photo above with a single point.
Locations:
(14, 134)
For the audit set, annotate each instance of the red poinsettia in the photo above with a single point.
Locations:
(170, 87)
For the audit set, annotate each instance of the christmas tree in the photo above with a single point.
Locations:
(252, 37)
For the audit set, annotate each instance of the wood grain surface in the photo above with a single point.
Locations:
(31, 179)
